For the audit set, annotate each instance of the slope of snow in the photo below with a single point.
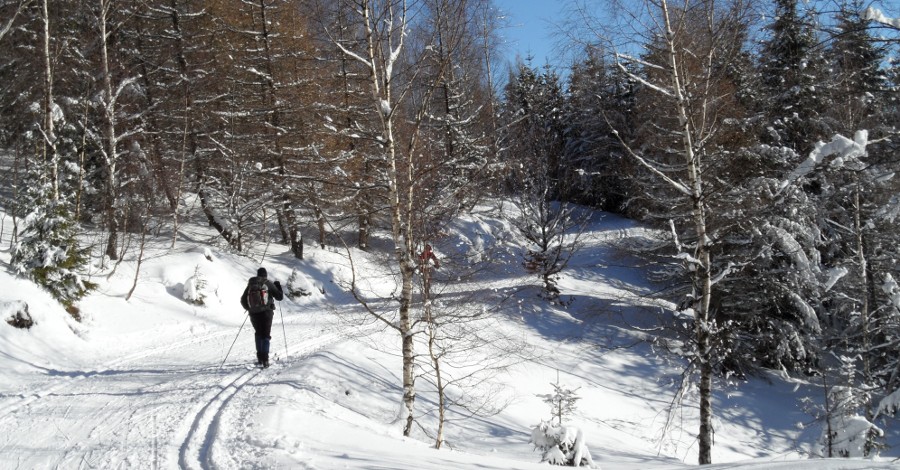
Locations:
(145, 383)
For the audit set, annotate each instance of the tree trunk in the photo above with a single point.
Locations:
(15, 188)
(363, 220)
(867, 288)
(233, 239)
(137, 269)
(383, 49)
(320, 222)
(49, 146)
(296, 243)
(111, 143)
(436, 363)
(403, 251)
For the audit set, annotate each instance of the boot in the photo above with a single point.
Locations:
(260, 357)
(265, 360)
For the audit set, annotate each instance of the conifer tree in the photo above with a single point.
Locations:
(49, 252)
(792, 74)
(857, 82)
(599, 99)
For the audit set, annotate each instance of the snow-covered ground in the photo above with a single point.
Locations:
(142, 384)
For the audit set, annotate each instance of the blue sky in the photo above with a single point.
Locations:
(531, 29)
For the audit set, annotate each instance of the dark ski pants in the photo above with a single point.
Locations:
(262, 325)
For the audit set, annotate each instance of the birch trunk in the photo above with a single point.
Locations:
(435, 355)
(110, 138)
(49, 147)
(384, 43)
(378, 42)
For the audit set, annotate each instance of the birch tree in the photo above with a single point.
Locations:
(113, 84)
(690, 47)
(386, 26)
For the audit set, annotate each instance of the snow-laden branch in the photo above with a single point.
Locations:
(395, 53)
(890, 404)
(791, 248)
(874, 14)
(892, 290)
(638, 78)
(891, 211)
(8, 26)
(353, 55)
(845, 149)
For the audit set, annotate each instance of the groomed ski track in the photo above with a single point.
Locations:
(139, 411)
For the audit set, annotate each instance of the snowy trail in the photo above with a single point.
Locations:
(196, 451)
(55, 380)
(140, 411)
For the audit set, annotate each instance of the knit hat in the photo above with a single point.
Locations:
(261, 272)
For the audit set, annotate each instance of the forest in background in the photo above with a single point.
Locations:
(761, 136)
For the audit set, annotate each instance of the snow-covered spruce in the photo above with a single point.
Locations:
(297, 286)
(48, 254)
(195, 288)
(562, 445)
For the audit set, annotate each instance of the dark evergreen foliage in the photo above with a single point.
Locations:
(49, 251)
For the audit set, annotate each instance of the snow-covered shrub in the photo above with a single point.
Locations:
(297, 286)
(195, 288)
(16, 314)
(890, 404)
(847, 433)
(562, 445)
(850, 436)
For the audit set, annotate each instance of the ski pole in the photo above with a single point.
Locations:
(235, 340)
(285, 333)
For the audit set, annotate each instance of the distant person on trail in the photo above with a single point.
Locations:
(429, 256)
(425, 259)
(258, 300)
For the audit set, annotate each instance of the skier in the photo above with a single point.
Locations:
(258, 300)
(425, 258)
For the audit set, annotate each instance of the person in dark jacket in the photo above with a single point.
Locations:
(262, 320)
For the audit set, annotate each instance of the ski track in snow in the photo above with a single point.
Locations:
(196, 451)
(13, 404)
(137, 411)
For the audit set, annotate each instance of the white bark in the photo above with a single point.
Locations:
(9, 23)
(381, 80)
(702, 253)
(110, 138)
(693, 188)
(50, 155)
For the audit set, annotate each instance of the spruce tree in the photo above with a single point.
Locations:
(48, 250)
(599, 99)
(792, 76)
(858, 83)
